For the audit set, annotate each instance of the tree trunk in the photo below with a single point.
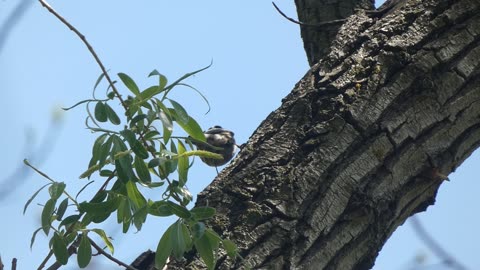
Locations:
(361, 143)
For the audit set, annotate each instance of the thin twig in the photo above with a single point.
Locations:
(434, 246)
(90, 48)
(110, 257)
(326, 23)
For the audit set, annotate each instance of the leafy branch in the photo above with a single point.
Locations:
(144, 154)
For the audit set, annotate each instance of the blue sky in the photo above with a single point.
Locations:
(257, 59)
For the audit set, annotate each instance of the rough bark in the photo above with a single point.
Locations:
(361, 143)
(317, 39)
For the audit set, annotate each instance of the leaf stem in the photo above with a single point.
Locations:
(50, 179)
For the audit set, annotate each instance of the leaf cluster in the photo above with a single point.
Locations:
(144, 154)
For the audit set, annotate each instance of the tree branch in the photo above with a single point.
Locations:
(90, 48)
(320, 24)
(110, 257)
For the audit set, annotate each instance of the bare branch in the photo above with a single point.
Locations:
(327, 23)
(90, 48)
(110, 257)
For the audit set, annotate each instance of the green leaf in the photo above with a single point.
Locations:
(142, 170)
(105, 239)
(192, 128)
(95, 217)
(122, 172)
(198, 229)
(178, 210)
(132, 109)
(164, 115)
(60, 249)
(184, 193)
(164, 248)
(100, 208)
(83, 188)
(171, 164)
(156, 184)
(84, 253)
(96, 150)
(32, 240)
(198, 92)
(140, 217)
(162, 81)
(135, 196)
(56, 190)
(206, 251)
(105, 151)
(154, 162)
(136, 146)
(111, 95)
(98, 80)
(121, 209)
(129, 83)
(118, 146)
(181, 240)
(137, 119)
(101, 112)
(112, 115)
(33, 197)
(159, 209)
(153, 73)
(78, 103)
(62, 208)
(183, 164)
(181, 113)
(150, 92)
(167, 125)
(100, 196)
(203, 153)
(106, 173)
(69, 220)
(127, 214)
(213, 238)
(230, 247)
(89, 171)
(151, 134)
(170, 87)
(200, 213)
(123, 161)
(69, 238)
(47, 213)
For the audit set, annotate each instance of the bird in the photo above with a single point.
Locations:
(220, 141)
